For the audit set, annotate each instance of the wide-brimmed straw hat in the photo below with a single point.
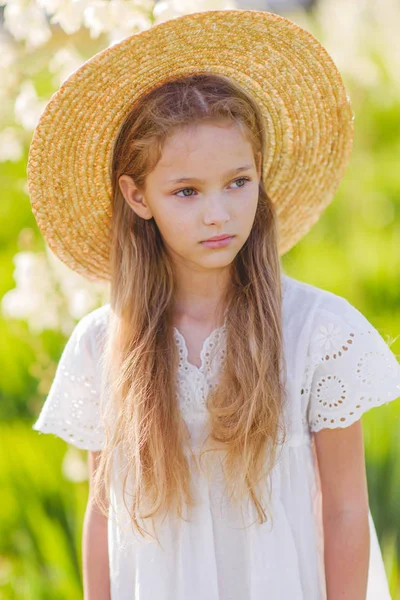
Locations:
(298, 87)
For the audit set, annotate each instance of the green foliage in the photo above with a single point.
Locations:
(41, 518)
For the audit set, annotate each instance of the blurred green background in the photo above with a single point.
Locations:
(352, 251)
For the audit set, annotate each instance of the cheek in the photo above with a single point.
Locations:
(175, 226)
(245, 210)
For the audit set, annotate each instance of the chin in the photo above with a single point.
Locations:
(219, 262)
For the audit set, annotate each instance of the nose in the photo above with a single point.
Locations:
(215, 211)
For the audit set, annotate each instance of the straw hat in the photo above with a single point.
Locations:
(301, 94)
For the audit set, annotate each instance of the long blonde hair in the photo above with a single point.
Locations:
(141, 357)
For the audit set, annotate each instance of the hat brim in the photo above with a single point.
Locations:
(298, 87)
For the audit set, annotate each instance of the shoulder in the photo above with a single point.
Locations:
(96, 319)
(72, 406)
(91, 330)
(297, 291)
(322, 324)
(307, 303)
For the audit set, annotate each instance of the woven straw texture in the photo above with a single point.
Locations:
(308, 116)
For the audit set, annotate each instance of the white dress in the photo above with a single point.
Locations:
(338, 367)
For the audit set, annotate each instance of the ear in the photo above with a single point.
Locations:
(134, 197)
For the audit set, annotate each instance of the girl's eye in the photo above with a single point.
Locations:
(183, 191)
(242, 179)
(184, 195)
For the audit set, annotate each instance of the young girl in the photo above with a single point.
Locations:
(219, 398)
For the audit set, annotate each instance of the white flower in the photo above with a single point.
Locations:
(64, 62)
(49, 295)
(329, 337)
(120, 16)
(9, 75)
(11, 146)
(28, 107)
(169, 9)
(81, 296)
(26, 21)
(355, 32)
(32, 298)
(7, 51)
(74, 468)
(67, 13)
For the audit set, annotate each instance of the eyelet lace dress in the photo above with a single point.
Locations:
(337, 367)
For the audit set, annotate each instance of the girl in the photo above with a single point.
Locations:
(219, 398)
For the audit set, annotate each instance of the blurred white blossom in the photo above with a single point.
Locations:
(386, 15)
(355, 33)
(64, 62)
(66, 13)
(74, 467)
(26, 21)
(81, 295)
(8, 74)
(11, 145)
(7, 52)
(32, 299)
(28, 107)
(119, 17)
(49, 295)
(169, 9)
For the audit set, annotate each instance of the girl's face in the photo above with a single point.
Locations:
(204, 185)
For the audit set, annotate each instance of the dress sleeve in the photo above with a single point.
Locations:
(72, 407)
(352, 367)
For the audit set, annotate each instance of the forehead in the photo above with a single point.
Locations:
(206, 146)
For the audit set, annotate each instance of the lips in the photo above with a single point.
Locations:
(222, 242)
(217, 238)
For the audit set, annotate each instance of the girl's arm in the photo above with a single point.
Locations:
(345, 508)
(96, 577)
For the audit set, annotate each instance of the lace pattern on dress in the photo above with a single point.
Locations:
(351, 369)
(194, 383)
(72, 412)
(72, 407)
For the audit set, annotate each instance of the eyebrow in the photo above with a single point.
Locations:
(228, 174)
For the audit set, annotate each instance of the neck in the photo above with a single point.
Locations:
(199, 296)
